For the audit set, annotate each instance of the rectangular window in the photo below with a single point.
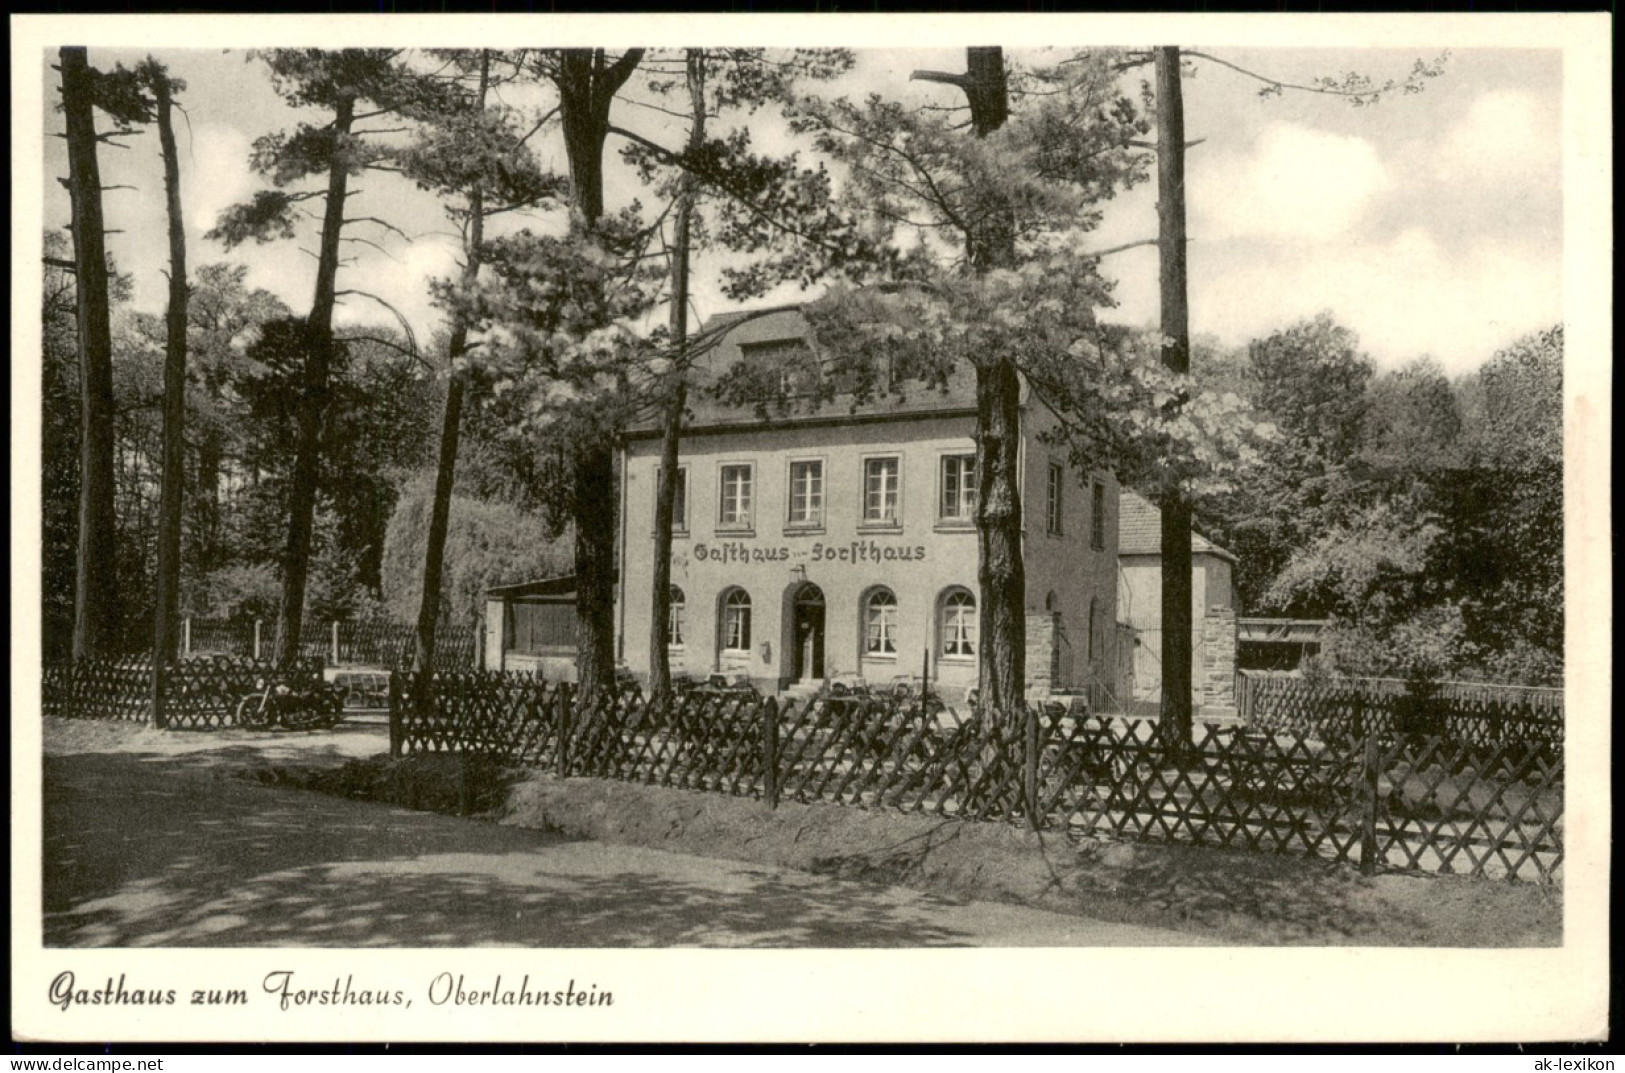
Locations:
(1057, 477)
(958, 488)
(736, 497)
(806, 493)
(1097, 515)
(881, 477)
(679, 499)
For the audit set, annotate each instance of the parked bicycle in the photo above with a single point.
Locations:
(276, 705)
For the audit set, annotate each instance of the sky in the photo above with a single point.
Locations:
(1431, 224)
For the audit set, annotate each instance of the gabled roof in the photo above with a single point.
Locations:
(1139, 530)
(725, 336)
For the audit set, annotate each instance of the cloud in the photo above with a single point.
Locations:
(1297, 185)
(219, 175)
(1405, 297)
(402, 281)
(1506, 138)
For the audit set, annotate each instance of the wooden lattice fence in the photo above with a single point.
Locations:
(1341, 709)
(371, 642)
(200, 694)
(509, 716)
(1414, 801)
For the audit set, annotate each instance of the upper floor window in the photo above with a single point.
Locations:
(736, 496)
(958, 488)
(881, 482)
(806, 493)
(1097, 515)
(1052, 512)
(679, 499)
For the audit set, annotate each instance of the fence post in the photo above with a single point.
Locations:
(562, 712)
(256, 640)
(1368, 818)
(770, 752)
(186, 635)
(1029, 773)
(396, 730)
(335, 642)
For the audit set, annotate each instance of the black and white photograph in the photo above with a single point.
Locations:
(845, 528)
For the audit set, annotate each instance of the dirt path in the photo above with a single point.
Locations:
(148, 849)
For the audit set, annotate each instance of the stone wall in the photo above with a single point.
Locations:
(1041, 642)
(1216, 677)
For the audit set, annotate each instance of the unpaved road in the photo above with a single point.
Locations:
(166, 849)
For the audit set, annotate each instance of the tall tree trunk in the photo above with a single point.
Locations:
(96, 626)
(166, 631)
(587, 86)
(594, 472)
(450, 432)
(1176, 355)
(1000, 568)
(313, 397)
(1001, 572)
(672, 421)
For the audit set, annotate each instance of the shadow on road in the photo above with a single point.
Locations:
(149, 850)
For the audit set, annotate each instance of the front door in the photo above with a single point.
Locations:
(809, 634)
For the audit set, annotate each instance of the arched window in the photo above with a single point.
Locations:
(957, 627)
(675, 620)
(736, 621)
(880, 623)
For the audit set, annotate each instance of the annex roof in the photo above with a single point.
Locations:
(1139, 530)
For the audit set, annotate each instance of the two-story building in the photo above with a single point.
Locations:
(839, 539)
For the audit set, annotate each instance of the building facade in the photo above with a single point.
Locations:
(1213, 611)
(835, 540)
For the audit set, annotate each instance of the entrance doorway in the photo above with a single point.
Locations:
(808, 658)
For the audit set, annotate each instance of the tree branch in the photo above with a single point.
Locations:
(1136, 143)
(675, 160)
(1108, 251)
(1359, 95)
(613, 77)
(961, 80)
(385, 224)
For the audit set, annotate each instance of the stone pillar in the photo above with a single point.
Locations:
(1218, 671)
(1041, 642)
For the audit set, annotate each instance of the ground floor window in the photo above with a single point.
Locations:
(736, 621)
(880, 623)
(958, 623)
(675, 618)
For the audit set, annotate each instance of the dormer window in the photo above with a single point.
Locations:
(791, 359)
